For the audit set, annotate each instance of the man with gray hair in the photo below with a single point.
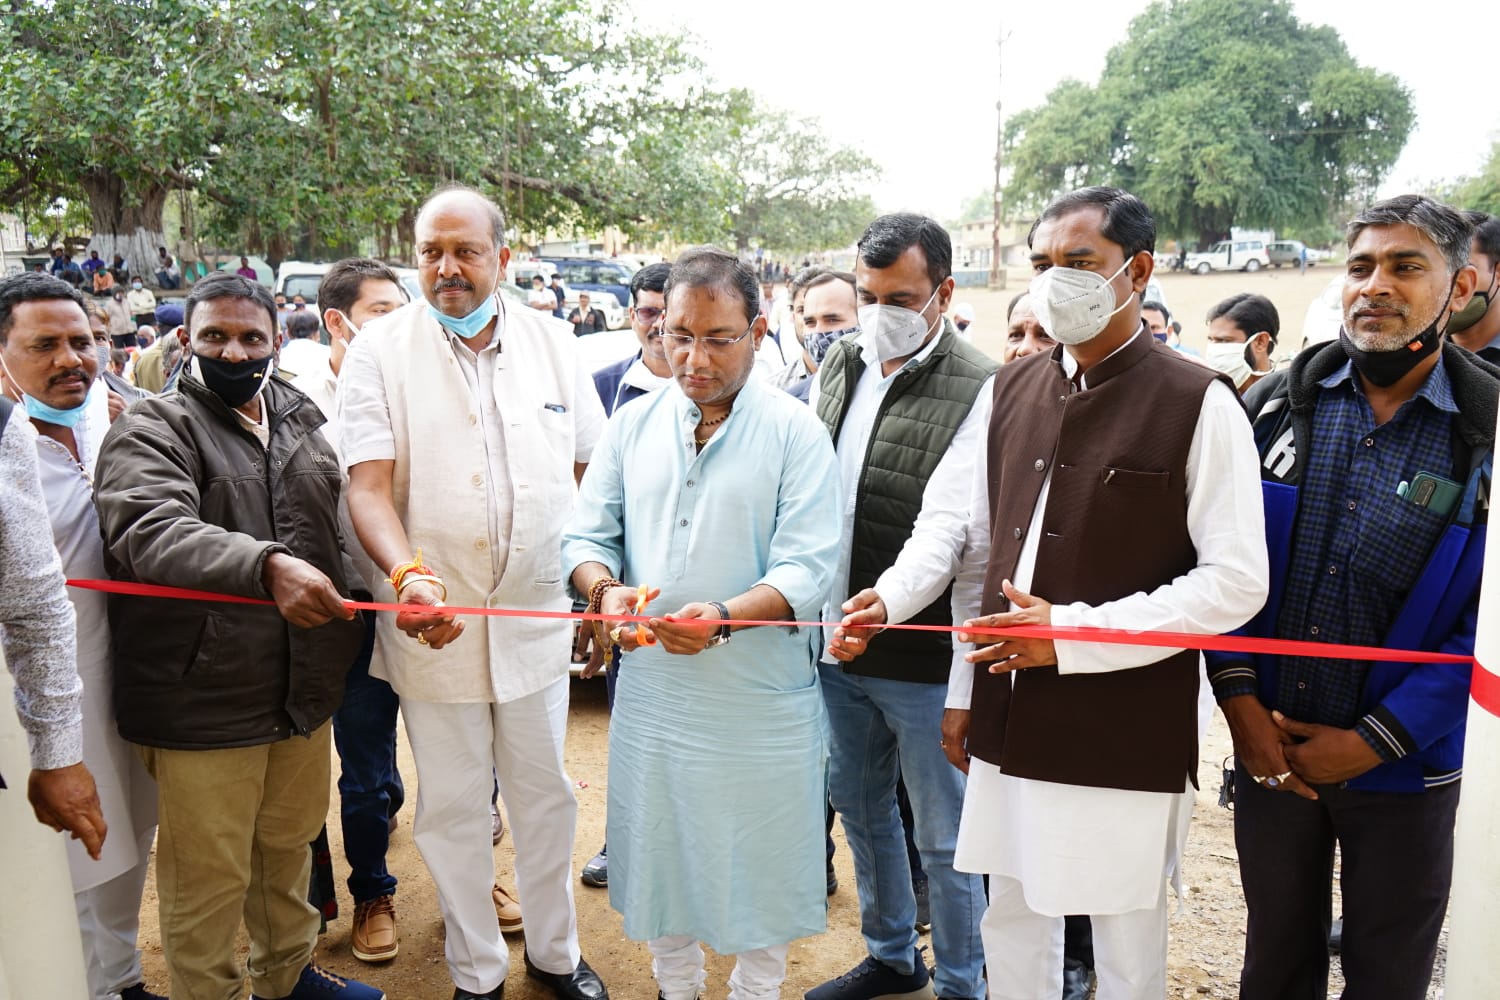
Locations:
(462, 459)
(1376, 454)
(716, 745)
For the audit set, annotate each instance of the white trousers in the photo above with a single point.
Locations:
(109, 916)
(1023, 949)
(677, 963)
(455, 748)
(40, 954)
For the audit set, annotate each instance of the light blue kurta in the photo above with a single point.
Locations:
(716, 761)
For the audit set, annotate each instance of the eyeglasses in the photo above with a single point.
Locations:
(648, 314)
(685, 341)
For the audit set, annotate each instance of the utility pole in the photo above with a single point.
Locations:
(997, 267)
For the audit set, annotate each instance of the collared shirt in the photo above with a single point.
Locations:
(795, 371)
(1358, 546)
(479, 372)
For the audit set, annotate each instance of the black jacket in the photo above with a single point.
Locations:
(188, 498)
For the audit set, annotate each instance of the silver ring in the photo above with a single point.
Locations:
(1260, 779)
(1275, 780)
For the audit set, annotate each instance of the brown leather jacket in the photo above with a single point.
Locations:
(188, 498)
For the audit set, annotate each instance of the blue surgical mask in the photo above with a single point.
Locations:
(469, 326)
(38, 410)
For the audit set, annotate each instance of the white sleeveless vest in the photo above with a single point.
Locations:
(439, 488)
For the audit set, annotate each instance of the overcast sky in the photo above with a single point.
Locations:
(914, 85)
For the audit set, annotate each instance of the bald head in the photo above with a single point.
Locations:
(465, 200)
(461, 251)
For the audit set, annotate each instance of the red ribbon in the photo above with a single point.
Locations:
(1485, 689)
(1111, 636)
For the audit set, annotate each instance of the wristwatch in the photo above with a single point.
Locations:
(723, 635)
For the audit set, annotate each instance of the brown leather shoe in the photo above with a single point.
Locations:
(507, 910)
(373, 937)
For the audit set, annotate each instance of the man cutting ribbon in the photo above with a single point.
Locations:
(716, 745)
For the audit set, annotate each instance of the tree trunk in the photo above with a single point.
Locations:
(1209, 235)
(127, 219)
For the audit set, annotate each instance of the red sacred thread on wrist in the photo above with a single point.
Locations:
(400, 571)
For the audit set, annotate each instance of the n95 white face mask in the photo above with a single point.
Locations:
(1073, 305)
(895, 331)
(1230, 360)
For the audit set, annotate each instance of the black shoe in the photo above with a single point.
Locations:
(459, 993)
(833, 880)
(1077, 980)
(583, 983)
(596, 872)
(662, 996)
(873, 979)
(1336, 937)
(924, 906)
(139, 992)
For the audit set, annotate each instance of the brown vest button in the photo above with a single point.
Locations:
(1041, 464)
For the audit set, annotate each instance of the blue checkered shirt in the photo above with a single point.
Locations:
(1358, 546)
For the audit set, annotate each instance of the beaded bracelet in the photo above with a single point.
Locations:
(596, 596)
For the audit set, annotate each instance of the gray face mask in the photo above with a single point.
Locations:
(103, 351)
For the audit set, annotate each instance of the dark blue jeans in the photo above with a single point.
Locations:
(370, 790)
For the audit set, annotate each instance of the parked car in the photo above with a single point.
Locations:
(1289, 252)
(1229, 255)
(1325, 314)
(615, 315)
(597, 276)
(522, 271)
(299, 277)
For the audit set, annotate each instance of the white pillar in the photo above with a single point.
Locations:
(1474, 912)
(41, 954)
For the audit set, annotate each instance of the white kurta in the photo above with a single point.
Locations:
(1047, 835)
(126, 792)
(716, 777)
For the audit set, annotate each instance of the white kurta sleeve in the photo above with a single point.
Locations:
(968, 585)
(1226, 522)
(930, 557)
(365, 433)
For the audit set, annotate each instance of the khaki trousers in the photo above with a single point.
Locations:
(235, 826)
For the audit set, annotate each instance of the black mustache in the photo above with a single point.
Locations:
(448, 283)
(77, 373)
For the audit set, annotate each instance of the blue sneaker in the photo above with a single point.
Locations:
(320, 984)
(872, 978)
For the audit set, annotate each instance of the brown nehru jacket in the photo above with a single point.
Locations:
(1115, 524)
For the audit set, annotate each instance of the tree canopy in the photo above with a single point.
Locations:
(1218, 113)
(311, 124)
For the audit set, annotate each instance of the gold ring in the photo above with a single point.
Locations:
(421, 638)
(614, 634)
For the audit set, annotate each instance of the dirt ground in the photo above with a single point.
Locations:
(1207, 934)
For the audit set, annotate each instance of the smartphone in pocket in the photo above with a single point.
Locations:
(1433, 492)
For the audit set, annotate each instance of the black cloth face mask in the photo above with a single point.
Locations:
(1385, 368)
(235, 382)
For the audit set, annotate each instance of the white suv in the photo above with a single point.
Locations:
(1230, 255)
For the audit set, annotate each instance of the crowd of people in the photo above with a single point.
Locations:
(1026, 799)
